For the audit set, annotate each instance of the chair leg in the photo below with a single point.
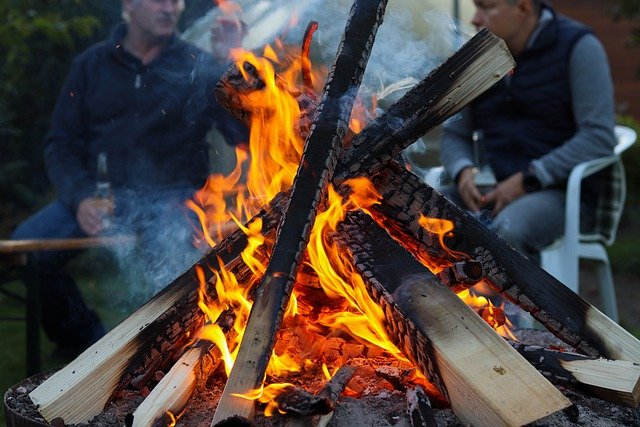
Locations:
(607, 289)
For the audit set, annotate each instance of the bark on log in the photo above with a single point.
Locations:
(513, 275)
(457, 351)
(309, 189)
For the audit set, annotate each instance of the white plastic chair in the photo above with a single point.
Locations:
(562, 258)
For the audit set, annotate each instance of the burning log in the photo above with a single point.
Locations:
(615, 381)
(141, 343)
(564, 313)
(329, 395)
(419, 408)
(173, 391)
(460, 354)
(308, 191)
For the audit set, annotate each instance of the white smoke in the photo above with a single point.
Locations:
(415, 37)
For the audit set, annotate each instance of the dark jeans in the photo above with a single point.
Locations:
(164, 235)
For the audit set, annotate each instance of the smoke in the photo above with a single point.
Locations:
(414, 38)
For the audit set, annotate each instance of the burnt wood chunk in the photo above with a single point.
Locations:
(308, 191)
(458, 352)
(419, 408)
(563, 312)
(616, 381)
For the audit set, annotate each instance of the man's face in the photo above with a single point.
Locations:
(155, 18)
(498, 16)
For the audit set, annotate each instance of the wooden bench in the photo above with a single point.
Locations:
(13, 266)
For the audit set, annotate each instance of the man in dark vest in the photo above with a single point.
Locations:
(554, 111)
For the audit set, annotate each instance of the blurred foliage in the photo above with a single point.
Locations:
(630, 10)
(38, 41)
(624, 253)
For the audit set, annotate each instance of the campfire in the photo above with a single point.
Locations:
(343, 262)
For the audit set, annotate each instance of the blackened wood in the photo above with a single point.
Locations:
(458, 352)
(615, 381)
(462, 275)
(512, 274)
(419, 408)
(329, 395)
(308, 191)
(336, 385)
(474, 68)
(299, 402)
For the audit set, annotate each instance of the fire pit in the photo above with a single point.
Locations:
(345, 290)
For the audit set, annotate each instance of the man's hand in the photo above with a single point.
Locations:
(468, 190)
(504, 193)
(91, 215)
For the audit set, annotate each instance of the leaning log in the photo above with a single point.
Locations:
(141, 343)
(486, 381)
(616, 381)
(563, 312)
(309, 189)
(174, 390)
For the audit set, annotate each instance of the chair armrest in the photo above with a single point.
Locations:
(574, 185)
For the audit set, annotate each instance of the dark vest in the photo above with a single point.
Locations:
(528, 114)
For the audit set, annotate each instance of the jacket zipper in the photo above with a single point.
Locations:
(138, 82)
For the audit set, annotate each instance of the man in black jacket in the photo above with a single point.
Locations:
(142, 99)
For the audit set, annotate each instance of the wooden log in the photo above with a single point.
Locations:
(616, 381)
(563, 312)
(308, 191)
(329, 394)
(419, 408)
(486, 381)
(144, 342)
(141, 341)
(174, 390)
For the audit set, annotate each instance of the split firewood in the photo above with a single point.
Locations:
(82, 388)
(406, 199)
(616, 381)
(174, 389)
(309, 189)
(471, 365)
(329, 395)
(419, 408)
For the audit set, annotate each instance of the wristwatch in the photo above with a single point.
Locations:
(530, 181)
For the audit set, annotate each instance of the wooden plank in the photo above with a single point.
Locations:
(486, 381)
(19, 246)
(309, 189)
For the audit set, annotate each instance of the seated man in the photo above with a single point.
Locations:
(554, 111)
(145, 99)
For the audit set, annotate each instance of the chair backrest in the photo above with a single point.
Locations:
(613, 196)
